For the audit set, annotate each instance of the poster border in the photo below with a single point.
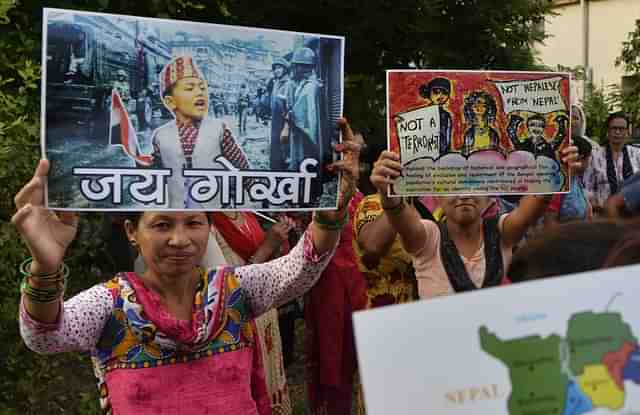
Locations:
(502, 71)
(46, 11)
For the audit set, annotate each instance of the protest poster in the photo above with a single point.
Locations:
(142, 114)
(478, 132)
(565, 345)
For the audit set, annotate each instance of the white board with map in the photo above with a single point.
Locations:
(561, 346)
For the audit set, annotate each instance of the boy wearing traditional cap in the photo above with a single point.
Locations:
(192, 140)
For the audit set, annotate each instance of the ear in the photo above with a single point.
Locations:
(130, 229)
(169, 102)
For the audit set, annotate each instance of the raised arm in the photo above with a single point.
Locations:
(47, 324)
(47, 235)
(276, 282)
(400, 216)
(374, 232)
(512, 130)
(78, 327)
(532, 207)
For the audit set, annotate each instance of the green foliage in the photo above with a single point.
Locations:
(597, 106)
(381, 34)
(628, 99)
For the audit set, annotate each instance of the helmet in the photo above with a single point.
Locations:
(280, 61)
(303, 56)
(121, 72)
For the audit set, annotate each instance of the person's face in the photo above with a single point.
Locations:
(618, 131)
(536, 128)
(479, 107)
(576, 122)
(301, 71)
(121, 77)
(464, 210)
(171, 243)
(190, 98)
(278, 71)
(439, 96)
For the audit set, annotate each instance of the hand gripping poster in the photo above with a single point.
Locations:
(142, 114)
(479, 132)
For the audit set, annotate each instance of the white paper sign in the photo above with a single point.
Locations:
(562, 346)
(419, 133)
(540, 96)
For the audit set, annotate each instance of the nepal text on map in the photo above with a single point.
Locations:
(570, 375)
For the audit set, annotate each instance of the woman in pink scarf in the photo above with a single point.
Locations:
(176, 339)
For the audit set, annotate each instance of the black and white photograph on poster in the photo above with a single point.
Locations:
(147, 114)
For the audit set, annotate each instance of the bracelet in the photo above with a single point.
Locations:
(395, 210)
(42, 295)
(55, 277)
(330, 224)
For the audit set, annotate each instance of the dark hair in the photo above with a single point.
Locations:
(169, 90)
(473, 98)
(569, 248)
(626, 252)
(441, 83)
(618, 114)
(133, 217)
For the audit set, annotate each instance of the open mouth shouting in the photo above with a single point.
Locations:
(200, 104)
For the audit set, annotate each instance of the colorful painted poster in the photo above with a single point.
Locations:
(478, 132)
(522, 349)
(147, 114)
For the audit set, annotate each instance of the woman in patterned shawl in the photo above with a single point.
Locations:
(176, 339)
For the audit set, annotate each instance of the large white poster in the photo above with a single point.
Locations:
(142, 114)
(563, 346)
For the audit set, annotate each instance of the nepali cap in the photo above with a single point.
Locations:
(180, 67)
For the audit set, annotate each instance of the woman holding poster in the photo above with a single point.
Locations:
(176, 339)
(466, 252)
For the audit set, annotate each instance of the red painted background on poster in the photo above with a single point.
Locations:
(403, 94)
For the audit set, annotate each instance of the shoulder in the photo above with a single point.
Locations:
(634, 150)
(212, 124)
(432, 240)
(500, 222)
(433, 230)
(168, 129)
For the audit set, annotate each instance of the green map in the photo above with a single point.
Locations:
(569, 375)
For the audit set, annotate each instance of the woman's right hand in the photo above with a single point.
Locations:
(278, 233)
(46, 233)
(385, 171)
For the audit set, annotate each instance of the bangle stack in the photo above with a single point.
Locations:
(330, 224)
(49, 288)
(394, 210)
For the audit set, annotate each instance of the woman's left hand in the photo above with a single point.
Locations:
(348, 166)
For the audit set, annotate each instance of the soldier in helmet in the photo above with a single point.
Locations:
(277, 89)
(304, 109)
(122, 85)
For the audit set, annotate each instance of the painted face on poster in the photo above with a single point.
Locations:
(497, 132)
